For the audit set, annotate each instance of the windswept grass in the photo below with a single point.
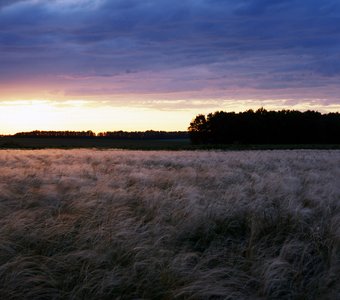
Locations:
(89, 224)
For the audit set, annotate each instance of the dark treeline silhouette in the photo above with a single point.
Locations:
(266, 127)
(71, 134)
(150, 134)
(147, 135)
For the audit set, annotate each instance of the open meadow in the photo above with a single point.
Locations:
(118, 224)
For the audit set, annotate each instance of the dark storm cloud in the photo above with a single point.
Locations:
(258, 44)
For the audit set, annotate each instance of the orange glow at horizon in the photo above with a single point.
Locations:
(99, 116)
(18, 116)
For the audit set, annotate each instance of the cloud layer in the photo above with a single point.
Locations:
(188, 49)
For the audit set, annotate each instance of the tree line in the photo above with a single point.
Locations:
(136, 135)
(51, 133)
(266, 127)
(146, 135)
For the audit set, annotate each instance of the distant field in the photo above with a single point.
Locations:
(66, 143)
(143, 144)
(116, 224)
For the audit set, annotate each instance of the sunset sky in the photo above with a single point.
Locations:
(155, 64)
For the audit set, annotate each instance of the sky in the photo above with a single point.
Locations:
(155, 64)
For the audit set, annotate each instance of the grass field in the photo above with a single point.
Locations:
(115, 224)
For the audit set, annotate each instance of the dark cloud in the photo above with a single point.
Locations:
(190, 44)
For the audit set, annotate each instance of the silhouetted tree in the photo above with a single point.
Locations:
(266, 127)
(198, 130)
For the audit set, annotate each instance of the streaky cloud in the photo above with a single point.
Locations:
(288, 47)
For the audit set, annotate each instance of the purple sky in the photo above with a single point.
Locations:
(171, 55)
